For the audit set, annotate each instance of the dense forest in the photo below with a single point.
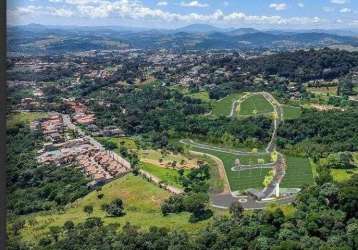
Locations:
(32, 187)
(159, 113)
(317, 134)
(303, 65)
(324, 218)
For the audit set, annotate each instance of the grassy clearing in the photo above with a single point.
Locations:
(255, 104)
(168, 175)
(167, 159)
(223, 106)
(202, 95)
(298, 173)
(120, 141)
(237, 180)
(254, 159)
(291, 112)
(323, 90)
(142, 206)
(342, 175)
(24, 117)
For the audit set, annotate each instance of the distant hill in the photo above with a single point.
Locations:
(39, 39)
(200, 28)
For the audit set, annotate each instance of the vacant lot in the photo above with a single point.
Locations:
(238, 180)
(223, 106)
(24, 117)
(341, 175)
(323, 90)
(298, 173)
(291, 112)
(255, 104)
(167, 175)
(202, 95)
(142, 206)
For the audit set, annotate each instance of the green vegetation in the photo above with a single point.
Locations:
(19, 118)
(255, 105)
(32, 187)
(223, 107)
(127, 142)
(291, 112)
(298, 173)
(202, 95)
(342, 175)
(331, 90)
(141, 201)
(238, 180)
(167, 175)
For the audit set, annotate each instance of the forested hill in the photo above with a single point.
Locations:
(38, 39)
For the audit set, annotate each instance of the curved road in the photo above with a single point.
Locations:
(226, 198)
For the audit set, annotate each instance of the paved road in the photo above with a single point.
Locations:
(67, 122)
(225, 199)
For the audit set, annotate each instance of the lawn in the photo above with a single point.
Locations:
(154, 156)
(223, 106)
(202, 95)
(255, 104)
(24, 117)
(342, 175)
(291, 112)
(323, 90)
(168, 175)
(298, 173)
(253, 159)
(119, 141)
(238, 180)
(142, 207)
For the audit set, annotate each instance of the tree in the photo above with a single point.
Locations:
(236, 210)
(88, 209)
(115, 208)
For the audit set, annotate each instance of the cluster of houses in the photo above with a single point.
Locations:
(81, 114)
(99, 165)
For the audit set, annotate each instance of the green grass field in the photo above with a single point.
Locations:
(323, 90)
(24, 117)
(119, 141)
(291, 112)
(255, 104)
(298, 172)
(238, 180)
(223, 106)
(142, 207)
(168, 175)
(342, 175)
(202, 95)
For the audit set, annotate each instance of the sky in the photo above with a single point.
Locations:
(266, 14)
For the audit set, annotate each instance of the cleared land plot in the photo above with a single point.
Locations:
(298, 172)
(167, 159)
(223, 106)
(255, 104)
(141, 202)
(119, 141)
(254, 159)
(202, 95)
(291, 112)
(238, 180)
(342, 175)
(167, 175)
(24, 118)
(323, 90)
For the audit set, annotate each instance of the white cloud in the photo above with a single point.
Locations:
(301, 5)
(162, 3)
(339, 1)
(135, 11)
(278, 6)
(345, 10)
(194, 4)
